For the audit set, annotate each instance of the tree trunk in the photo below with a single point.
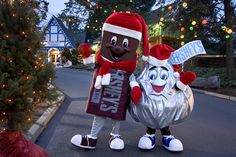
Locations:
(229, 42)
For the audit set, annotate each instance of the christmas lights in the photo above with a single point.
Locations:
(194, 22)
(185, 4)
(204, 22)
(182, 29)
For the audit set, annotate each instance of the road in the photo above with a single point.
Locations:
(209, 131)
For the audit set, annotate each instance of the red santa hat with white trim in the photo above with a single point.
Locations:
(128, 24)
(159, 55)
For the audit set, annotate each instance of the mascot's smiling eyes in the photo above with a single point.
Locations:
(125, 43)
(152, 74)
(164, 74)
(155, 72)
(114, 40)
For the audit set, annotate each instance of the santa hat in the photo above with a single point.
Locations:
(85, 50)
(128, 24)
(159, 54)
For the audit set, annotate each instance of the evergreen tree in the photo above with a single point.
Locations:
(65, 55)
(75, 57)
(24, 75)
(216, 33)
(74, 15)
(96, 11)
(41, 8)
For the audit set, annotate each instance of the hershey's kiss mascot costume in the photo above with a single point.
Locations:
(166, 98)
(110, 91)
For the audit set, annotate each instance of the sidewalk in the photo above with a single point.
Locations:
(232, 98)
(37, 128)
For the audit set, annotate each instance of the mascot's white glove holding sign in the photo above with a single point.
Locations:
(161, 96)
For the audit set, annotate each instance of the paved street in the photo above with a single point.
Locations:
(208, 132)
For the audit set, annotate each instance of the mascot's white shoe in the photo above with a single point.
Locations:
(116, 143)
(86, 142)
(147, 142)
(172, 144)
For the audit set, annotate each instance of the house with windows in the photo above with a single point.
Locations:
(57, 37)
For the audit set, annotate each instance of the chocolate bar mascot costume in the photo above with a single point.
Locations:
(115, 62)
(166, 98)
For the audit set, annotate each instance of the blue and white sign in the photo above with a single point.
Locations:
(187, 51)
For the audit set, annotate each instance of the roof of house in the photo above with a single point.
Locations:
(73, 37)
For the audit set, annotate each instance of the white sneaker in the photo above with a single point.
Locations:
(172, 144)
(116, 143)
(147, 142)
(86, 142)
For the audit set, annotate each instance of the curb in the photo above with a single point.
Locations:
(42, 122)
(232, 98)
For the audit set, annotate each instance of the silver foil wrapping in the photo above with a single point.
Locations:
(158, 110)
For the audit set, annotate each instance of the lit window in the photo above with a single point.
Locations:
(61, 37)
(53, 29)
(53, 37)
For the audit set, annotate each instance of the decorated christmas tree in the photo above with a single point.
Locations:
(24, 75)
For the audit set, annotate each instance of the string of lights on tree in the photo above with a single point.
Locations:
(104, 12)
(155, 30)
(23, 64)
